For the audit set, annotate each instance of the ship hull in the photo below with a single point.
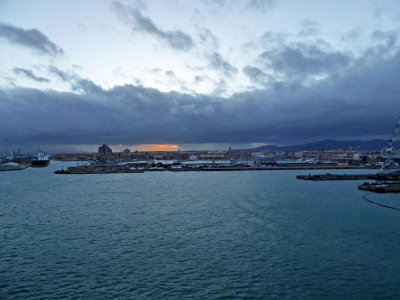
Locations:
(40, 163)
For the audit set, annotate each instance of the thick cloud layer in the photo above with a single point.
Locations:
(297, 91)
(360, 104)
(30, 38)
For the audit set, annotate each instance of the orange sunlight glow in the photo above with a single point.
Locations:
(158, 147)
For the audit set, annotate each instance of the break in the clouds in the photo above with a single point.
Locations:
(175, 39)
(29, 38)
(29, 74)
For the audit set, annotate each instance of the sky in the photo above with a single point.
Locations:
(204, 74)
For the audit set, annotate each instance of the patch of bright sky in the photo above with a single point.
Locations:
(110, 54)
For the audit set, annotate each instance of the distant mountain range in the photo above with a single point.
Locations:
(331, 145)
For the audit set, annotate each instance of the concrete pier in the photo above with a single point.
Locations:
(384, 187)
(329, 176)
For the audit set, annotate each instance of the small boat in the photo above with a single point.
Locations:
(42, 160)
(12, 166)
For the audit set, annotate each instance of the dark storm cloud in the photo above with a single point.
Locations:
(361, 103)
(302, 59)
(175, 39)
(217, 62)
(30, 38)
(30, 75)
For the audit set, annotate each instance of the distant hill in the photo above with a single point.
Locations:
(374, 145)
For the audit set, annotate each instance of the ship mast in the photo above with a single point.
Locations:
(388, 152)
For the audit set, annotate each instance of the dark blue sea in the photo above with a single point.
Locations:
(194, 235)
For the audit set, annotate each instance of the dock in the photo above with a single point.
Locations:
(99, 168)
(382, 187)
(379, 177)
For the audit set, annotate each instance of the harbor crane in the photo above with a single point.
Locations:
(388, 152)
(391, 142)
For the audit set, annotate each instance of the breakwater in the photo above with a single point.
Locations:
(98, 169)
(328, 176)
(112, 168)
(382, 187)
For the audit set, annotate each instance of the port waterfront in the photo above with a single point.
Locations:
(105, 161)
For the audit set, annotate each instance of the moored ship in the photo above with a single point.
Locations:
(42, 160)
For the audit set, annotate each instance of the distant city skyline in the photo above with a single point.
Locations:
(197, 74)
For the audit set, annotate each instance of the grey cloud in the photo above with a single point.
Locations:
(272, 39)
(30, 74)
(76, 82)
(175, 39)
(86, 86)
(81, 26)
(208, 38)
(386, 44)
(262, 4)
(337, 108)
(199, 78)
(309, 28)
(76, 67)
(256, 75)
(30, 38)
(170, 73)
(64, 76)
(217, 62)
(378, 11)
(352, 35)
(175, 80)
(303, 60)
(250, 4)
(389, 38)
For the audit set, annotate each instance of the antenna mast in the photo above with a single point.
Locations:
(393, 139)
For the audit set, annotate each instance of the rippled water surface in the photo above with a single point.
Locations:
(202, 235)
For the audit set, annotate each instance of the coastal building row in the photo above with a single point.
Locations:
(105, 153)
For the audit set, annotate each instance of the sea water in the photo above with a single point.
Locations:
(194, 235)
